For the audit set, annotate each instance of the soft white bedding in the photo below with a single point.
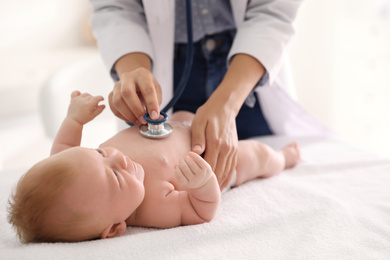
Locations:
(334, 205)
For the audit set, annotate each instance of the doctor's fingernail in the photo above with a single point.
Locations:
(154, 115)
(197, 148)
(142, 120)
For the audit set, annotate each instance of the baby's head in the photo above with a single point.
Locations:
(78, 194)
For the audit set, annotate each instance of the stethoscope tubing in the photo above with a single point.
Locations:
(188, 63)
(183, 80)
(158, 128)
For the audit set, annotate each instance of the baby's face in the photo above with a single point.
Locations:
(109, 184)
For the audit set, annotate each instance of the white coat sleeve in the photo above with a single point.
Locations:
(120, 28)
(265, 33)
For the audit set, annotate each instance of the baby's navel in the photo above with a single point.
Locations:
(164, 160)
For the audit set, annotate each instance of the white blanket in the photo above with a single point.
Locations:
(334, 205)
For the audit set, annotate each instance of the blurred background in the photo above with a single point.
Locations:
(340, 60)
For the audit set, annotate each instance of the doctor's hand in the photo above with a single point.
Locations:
(137, 89)
(214, 131)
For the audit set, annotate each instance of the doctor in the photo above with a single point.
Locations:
(238, 86)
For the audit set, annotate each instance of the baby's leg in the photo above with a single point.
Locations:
(258, 160)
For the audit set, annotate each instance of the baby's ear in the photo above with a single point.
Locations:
(114, 230)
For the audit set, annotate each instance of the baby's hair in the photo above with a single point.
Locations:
(34, 198)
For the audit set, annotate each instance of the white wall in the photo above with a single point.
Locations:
(36, 38)
(341, 64)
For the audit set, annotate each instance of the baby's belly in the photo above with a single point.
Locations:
(157, 156)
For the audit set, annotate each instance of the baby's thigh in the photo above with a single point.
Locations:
(182, 116)
(252, 160)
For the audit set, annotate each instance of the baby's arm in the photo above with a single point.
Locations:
(204, 194)
(82, 109)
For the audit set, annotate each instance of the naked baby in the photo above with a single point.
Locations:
(79, 193)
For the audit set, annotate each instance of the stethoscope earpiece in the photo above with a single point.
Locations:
(156, 129)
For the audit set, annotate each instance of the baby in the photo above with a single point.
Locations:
(79, 194)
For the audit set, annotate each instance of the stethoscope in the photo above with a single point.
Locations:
(160, 128)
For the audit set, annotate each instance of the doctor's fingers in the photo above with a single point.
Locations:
(215, 147)
(120, 106)
(113, 108)
(131, 101)
(151, 94)
(225, 163)
(211, 155)
(142, 82)
(229, 172)
(198, 138)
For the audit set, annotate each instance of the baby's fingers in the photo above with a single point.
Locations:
(96, 99)
(75, 94)
(192, 166)
(93, 101)
(94, 105)
(198, 163)
(98, 110)
(180, 176)
(186, 170)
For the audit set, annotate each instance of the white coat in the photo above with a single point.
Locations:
(264, 28)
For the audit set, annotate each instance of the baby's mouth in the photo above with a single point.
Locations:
(139, 172)
(131, 168)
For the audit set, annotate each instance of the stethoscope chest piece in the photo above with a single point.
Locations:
(156, 129)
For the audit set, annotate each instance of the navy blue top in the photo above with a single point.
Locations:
(208, 17)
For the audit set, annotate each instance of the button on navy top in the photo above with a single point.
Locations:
(208, 17)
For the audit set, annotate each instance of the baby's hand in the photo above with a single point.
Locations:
(193, 171)
(84, 107)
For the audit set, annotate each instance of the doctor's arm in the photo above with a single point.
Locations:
(82, 109)
(214, 125)
(257, 51)
(122, 35)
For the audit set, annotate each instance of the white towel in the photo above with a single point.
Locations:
(334, 205)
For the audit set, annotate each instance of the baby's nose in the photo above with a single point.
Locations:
(120, 159)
